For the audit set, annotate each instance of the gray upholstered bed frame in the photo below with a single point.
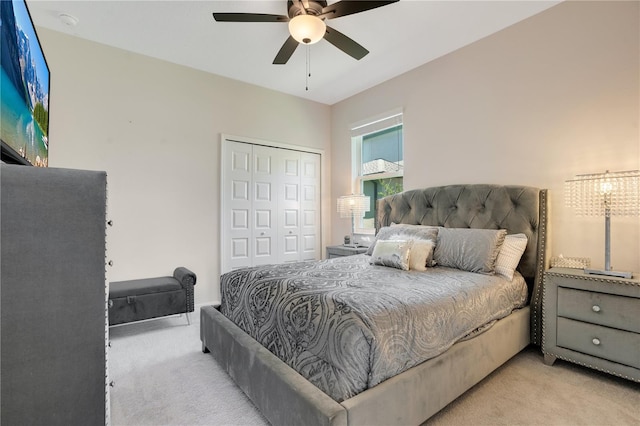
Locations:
(286, 398)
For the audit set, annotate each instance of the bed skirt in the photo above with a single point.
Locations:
(285, 397)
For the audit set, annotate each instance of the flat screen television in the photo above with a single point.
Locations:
(24, 112)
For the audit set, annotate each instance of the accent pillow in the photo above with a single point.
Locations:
(392, 253)
(473, 250)
(509, 257)
(401, 232)
(421, 255)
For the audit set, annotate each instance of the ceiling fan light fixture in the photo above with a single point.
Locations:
(307, 29)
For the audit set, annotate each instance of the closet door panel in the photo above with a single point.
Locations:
(310, 206)
(289, 206)
(237, 244)
(265, 179)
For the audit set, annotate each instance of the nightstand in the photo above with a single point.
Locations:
(592, 320)
(340, 251)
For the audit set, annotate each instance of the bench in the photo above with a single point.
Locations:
(142, 299)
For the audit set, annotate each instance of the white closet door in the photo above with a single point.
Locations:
(289, 205)
(237, 236)
(310, 206)
(270, 205)
(265, 181)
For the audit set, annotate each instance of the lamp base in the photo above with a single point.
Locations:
(609, 273)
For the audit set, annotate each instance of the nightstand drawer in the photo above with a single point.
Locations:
(603, 342)
(599, 308)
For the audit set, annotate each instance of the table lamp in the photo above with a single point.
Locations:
(605, 194)
(354, 205)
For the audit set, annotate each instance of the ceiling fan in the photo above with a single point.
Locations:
(307, 25)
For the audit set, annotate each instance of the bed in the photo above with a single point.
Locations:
(413, 393)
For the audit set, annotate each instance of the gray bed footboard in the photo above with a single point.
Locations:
(285, 397)
(282, 395)
(420, 392)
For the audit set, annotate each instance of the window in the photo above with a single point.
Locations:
(378, 162)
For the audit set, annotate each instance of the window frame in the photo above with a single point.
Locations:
(358, 131)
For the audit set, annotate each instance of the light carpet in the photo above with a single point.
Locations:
(161, 377)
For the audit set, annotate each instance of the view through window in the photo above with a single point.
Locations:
(378, 163)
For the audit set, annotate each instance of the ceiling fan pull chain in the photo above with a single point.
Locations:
(308, 70)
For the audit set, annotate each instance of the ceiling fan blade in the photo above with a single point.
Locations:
(347, 7)
(249, 17)
(286, 51)
(302, 6)
(345, 44)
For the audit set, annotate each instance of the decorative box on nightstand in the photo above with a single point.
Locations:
(592, 320)
(340, 251)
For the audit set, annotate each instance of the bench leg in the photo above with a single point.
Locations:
(188, 318)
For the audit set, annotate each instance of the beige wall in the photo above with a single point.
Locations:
(537, 103)
(155, 128)
(534, 104)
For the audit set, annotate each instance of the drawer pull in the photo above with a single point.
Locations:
(595, 308)
(596, 341)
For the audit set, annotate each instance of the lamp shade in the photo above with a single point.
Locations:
(604, 194)
(354, 205)
(307, 29)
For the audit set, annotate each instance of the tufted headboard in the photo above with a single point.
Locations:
(518, 209)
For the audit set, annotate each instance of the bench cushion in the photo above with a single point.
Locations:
(143, 286)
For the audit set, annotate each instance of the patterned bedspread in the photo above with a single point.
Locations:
(346, 325)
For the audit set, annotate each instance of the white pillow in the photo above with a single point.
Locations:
(510, 253)
(421, 255)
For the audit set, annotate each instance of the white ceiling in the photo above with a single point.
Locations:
(400, 37)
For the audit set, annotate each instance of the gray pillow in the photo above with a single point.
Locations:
(473, 250)
(402, 232)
